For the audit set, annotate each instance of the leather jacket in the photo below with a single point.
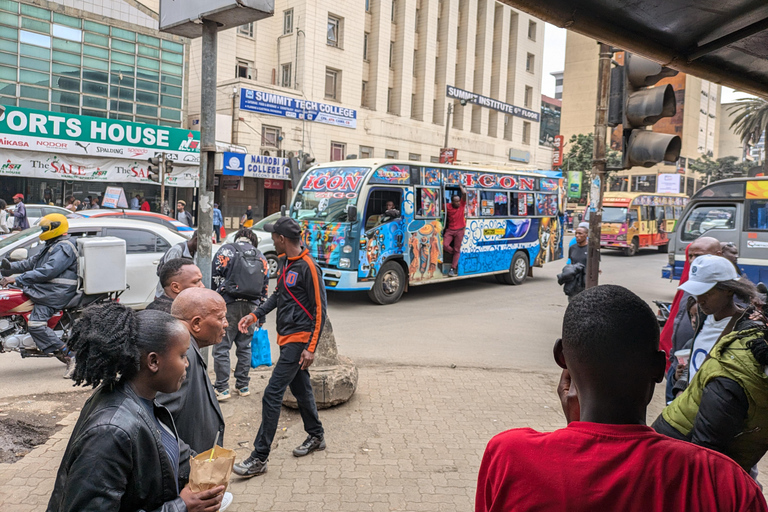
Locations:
(115, 459)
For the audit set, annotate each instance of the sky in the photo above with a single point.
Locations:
(554, 60)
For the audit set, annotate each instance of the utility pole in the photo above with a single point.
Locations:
(597, 187)
(448, 123)
(162, 184)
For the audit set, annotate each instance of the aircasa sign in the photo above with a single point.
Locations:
(54, 132)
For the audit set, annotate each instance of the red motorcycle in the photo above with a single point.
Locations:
(15, 308)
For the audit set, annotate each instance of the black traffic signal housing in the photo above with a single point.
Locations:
(153, 169)
(635, 104)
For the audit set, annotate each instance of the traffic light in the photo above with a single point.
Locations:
(635, 104)
(153, 169)
(168, 166)
(306, 162)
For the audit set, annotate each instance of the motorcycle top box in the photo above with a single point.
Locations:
(101, 264)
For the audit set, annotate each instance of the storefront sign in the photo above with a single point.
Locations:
(31, 164)
(484, 101)
(557, 154)
(518, 155)
(229, 183)
(448, 155)
(295, 108)
(114, 197)
(256, 166)
(274, 184)
(668, 184)
(54, 132)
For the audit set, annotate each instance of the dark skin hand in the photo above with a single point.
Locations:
(203, 501)
(307, 357)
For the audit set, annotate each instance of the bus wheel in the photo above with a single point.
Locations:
(634, 246)
(389, 285)
(518, 270)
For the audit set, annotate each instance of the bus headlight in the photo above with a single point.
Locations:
(344, 263)
(621, 238)
(347, 249)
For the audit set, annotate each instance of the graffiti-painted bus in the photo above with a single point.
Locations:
(633, 220)
(514, 221)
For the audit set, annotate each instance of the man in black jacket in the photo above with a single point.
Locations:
(194, 407)
(176, 276)
(301, 304)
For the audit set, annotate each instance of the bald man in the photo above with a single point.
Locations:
(194, 407)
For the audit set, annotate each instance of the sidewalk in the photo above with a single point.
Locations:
(411, 439)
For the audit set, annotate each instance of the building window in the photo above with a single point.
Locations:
(414, 156)
(367, 5)
(270, 136)
(416, 19)
(366, 40)
(364, 95)
(366, 152)
(415, 59)
(285, 75)
(332, 83)
(334, 31)
(528, 100)
(532, 30)
(243, 69)
(338, 151)
(529, 63)
(391, 54)
(391, 154)
(288, 21)
(434, 159)
(389, 101)
(394, 10)
(526, 132)
(413, 106)
(246, 30)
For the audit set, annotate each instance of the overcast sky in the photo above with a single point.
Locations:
(554, 60)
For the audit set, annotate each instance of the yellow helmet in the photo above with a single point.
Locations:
(53, 225)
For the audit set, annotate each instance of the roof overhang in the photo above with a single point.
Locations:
(725, 41)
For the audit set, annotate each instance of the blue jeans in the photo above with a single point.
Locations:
(286, 373)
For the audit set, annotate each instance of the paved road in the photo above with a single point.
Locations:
(475, 322)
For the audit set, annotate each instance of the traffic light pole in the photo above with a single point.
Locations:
(162, 183)
(598, 165)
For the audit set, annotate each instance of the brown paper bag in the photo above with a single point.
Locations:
(206, 474)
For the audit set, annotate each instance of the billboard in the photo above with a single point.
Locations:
(263, 102)
(574, 184)
(256, 166)
(668, 183)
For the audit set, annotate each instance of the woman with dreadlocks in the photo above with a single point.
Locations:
(124, 453)
(725, 406)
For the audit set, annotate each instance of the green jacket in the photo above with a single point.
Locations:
(730, 358)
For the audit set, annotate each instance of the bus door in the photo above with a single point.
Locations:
(383, 232)
(424, 244)
(753, 249)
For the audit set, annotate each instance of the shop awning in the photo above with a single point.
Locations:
(722, 41)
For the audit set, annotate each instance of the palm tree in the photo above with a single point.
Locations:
(751, 121)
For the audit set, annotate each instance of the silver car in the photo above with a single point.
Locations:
(266, 246)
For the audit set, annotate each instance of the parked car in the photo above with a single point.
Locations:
(145, 243)
(157, 218)
(266, 246)
(35, 212)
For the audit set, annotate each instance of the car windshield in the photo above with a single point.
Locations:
(266, 220)
(317, 206)
(614, 214)
(33, 231)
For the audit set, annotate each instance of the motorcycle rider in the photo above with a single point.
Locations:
(49, 278)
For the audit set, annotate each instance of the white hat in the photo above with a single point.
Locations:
(706, 271)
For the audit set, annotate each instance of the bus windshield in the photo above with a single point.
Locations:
(615, 214)
(319, 207)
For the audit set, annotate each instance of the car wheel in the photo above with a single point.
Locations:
(273, 263)
(389, 285)
(518, 270)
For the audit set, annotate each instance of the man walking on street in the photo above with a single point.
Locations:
(176, 276)
(186, 249)
(218, 222)
(183, 215)
(19, 214)
(455, 222)
(301, 304)
(241, 274)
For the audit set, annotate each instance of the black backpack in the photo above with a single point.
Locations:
(246, 277)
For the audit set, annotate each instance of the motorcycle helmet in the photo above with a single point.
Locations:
(53, 225)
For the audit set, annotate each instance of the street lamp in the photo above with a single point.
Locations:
(463, 102)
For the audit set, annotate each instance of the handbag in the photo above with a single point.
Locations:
(261, 355)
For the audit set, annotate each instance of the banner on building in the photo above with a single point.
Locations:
(263, 102)
(668, 183)
(557, 154)
(574, 184)
(256, 166)
(30, 164)
(448, 155)
(484, 101)
(69, 134)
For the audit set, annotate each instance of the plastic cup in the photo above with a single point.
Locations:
(683, 356)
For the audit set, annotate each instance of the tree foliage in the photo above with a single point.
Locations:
(579, 158)
(720, 169)
(750, 121)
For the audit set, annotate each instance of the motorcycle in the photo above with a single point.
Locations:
(662, 315)
(16, 307)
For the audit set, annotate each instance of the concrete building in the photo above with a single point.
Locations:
(558, 84)
(373, 76)
(697, 121)
(94, 64)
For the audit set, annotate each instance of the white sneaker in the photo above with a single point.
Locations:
(70, 368)
(226, 501)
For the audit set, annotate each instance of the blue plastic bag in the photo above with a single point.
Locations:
(261, 354)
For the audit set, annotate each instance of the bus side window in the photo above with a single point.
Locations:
(428, 202)
(758, 214)
(377, 206)
(633, 218)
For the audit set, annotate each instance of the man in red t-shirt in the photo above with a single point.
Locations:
(607, 458)
(455, 223)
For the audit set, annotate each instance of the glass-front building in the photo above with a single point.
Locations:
(52, 61)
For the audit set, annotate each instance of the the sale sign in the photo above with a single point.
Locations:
(557, 155)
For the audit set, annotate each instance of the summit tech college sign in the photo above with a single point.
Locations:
(54, 132)
(264, 102)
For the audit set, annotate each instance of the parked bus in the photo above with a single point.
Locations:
(735, 211)
(514, 221)
(634, 220)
